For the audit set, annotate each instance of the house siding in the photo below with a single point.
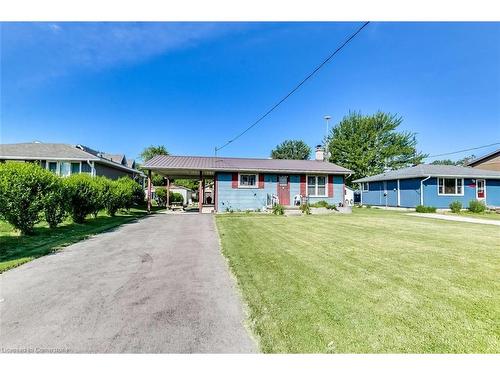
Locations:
(230, 198)
(410, 193)
(109, 172)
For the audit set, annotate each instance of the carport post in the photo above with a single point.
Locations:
(200, 193)
(168, 192)
(149, 191)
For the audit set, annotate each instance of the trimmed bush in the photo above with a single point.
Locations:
(456, 207)
(320, 204)
(54, 205)
(425, 209)
(176, 198)
(82, 196)
(278, 209)
(130, 191)
(22, 189)
(161, 195)
(477, 206)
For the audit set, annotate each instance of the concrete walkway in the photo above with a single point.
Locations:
(458, 218)
(157, 285)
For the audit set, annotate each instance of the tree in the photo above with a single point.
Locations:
(368, 145)
(152, 151)
(291, 149)
(443, 162)
(461, 162)
(149, 153)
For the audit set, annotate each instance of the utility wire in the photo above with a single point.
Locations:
(295, 88)
(467, 149)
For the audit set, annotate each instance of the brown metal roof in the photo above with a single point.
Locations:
(211, 163)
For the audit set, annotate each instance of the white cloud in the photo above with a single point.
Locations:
(38, 51)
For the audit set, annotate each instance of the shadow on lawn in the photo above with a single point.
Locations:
(18, 249)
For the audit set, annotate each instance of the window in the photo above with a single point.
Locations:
(75, 168)
(365, 186)
(52, 166)
(248, 180)
(450, 186)
(316, 186)
(64, 168)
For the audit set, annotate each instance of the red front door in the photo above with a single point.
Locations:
(284, 190)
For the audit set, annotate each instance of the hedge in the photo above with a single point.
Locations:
(25, 190)
(29, 193)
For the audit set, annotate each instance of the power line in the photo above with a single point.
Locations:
(295, 88)
(467, 149)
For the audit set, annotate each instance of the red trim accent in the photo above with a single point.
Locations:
(303, 185)
(261, 181)
(330, 186)
(234, 181)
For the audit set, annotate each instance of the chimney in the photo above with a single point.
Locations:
(320, 153)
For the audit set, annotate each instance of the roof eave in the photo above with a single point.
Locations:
(257, 170)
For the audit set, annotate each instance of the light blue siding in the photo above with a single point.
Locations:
(431, 197)
(243, 199)
(253, 199)
(410, 193)
(338, 192)
(493, 192)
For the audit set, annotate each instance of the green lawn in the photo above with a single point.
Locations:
(16, 249)
(375, 281)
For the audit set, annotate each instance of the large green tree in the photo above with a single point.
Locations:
(150, 152)
(291, 149)
(369, 144)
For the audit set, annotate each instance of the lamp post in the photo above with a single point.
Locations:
(327, 119)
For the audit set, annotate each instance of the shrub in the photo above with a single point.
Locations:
(425, 209)
(22, 189)
(130, 192)
(81, 195)
(108, 196)
(161, 195)
(305, 209)
(176, 197)
(278, 209)
(320, 204)
(456, 207)
(54, 205)
(477, 206)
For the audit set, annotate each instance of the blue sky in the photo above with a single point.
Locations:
(192, 86)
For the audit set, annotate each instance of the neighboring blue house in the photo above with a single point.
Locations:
(431, 185)
(255, 184)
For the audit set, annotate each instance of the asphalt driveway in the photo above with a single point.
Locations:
(156, 285)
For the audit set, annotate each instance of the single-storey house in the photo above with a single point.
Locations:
(64, 159)
(489, 161)
(256, 184)
(431, 185)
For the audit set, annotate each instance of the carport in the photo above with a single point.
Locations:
(172, 167)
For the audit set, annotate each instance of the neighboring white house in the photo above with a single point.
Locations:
(349, 196)
(187, 194)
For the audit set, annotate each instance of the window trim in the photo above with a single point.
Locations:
(316, 185)
(58, 166)
(240, 186)
(363, 184)
(456, 186)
